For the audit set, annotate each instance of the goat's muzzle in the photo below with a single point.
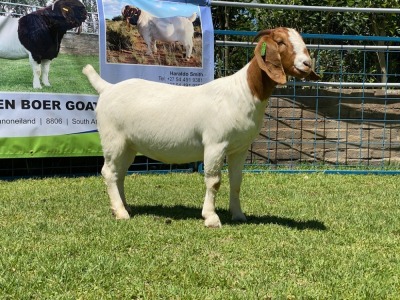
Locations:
(304, 70)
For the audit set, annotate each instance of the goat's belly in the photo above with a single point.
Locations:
(172, 155)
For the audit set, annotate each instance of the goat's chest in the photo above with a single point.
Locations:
(243, 123)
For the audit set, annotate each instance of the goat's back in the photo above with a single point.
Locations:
(170, 29)
(155, 119)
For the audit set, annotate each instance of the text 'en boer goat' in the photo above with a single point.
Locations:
(176, 124)
(152, 29)
(41, 32)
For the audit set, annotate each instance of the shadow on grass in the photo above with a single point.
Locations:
(180, 212)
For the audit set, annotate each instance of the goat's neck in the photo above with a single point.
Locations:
(260, 84)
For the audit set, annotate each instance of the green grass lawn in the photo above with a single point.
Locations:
(308, 237)
(65, 75)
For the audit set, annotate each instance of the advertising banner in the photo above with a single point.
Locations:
(47, 106)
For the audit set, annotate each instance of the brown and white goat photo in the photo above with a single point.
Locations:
(153, 29)
(175, 124)
(141, 38)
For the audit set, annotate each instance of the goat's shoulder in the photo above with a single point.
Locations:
(145, 17)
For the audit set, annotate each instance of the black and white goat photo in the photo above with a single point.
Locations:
(38, 35)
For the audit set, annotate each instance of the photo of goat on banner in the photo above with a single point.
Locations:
(42, 34)
(153, 33)
(169, 41)
(47, 107)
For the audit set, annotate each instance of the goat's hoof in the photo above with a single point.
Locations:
(128, 209)
(213, 222)
(121, 214)
(241, 218)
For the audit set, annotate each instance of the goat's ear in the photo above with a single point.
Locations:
(269, 59)
(65, 11)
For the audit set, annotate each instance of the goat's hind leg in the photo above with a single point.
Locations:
(114, 172)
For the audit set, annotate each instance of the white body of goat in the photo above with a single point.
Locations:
(176, 124)
(172, 29)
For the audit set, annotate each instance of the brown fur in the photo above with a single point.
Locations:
(265, 72)
(127, 12)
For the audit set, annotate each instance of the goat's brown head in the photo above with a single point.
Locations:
(281, 52)
(131, 14)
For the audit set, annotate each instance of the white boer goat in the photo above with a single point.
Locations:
(176, 124)
(152, 29)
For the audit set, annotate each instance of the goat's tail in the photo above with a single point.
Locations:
(193, 17)
(96, 81)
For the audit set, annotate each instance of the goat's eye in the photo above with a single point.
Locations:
(281, 43)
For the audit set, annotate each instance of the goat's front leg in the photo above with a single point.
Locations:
(36, 69)
(213, 159)
(235, 167)
(45, 72)
(149, 43)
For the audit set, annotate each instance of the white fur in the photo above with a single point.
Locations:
(173, 29)
(10, 46)
(298, 47)
(38, 70)
(175, 124)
